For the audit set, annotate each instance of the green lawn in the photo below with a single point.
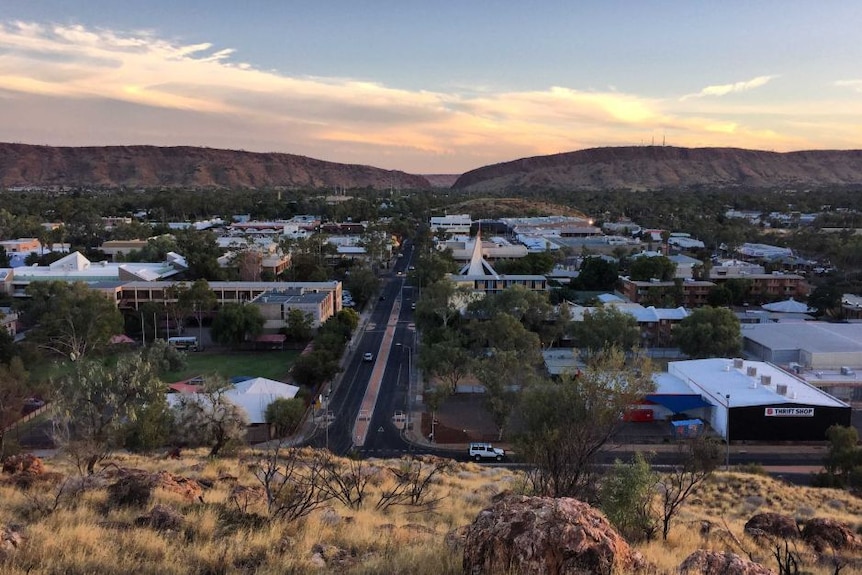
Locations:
(269, 364)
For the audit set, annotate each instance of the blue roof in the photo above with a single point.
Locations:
(678, 403)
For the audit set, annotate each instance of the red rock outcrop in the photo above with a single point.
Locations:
(717, 563)
(824, 534)
(772, 524)
(547, 536)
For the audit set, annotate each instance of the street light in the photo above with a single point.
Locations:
(727, 431)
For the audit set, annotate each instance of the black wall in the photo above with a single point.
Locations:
(751, 423)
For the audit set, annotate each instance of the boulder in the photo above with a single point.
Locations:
(825, 534)
(161, 518)
(10, 540)
(772, 524)
(703, 562)
(539, 535)
(23, 463)
(188, 488)
(456, 538)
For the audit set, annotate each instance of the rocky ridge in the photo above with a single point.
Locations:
(657, 167)
(26, 166)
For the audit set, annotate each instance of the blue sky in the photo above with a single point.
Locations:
(431, 87)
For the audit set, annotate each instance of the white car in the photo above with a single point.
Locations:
(368, 356)
(480, 451)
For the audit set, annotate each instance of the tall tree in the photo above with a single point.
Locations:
(96, 400)
(605, 327)
(198, 300)
(646, 268)
(13, 392)
(709, 332)
(201, 252)
(567, 423)
(597, 274)
(237, 323)
(70, 319)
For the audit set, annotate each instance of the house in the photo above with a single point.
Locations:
(252, 395)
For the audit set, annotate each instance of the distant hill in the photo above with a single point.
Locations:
(23, 165)
(656, 167)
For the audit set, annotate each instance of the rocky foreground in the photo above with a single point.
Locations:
(196, 515)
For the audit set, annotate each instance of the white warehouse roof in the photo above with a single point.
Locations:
(715, 378)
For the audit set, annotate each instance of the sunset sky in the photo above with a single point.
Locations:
(431, 86)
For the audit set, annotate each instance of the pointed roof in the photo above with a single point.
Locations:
(478, 266)
(72, 262)
(788, 306)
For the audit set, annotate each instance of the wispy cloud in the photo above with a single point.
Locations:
(71, 85)
(854, 84)
(736, 87)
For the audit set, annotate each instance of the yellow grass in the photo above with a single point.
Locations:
(85, 535)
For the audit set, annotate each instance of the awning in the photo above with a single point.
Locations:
(678, 403)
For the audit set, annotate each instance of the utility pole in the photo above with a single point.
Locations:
(727, 431)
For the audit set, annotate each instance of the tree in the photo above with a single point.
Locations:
(284, 415)
(566, 423)
(96, 400)
(697, 459)
(362, 283)
(605, 327)
(199, 300)
(709, 332)
(598, 274)
(446, 360)
(237, 323)
(201, 252)
(70, 319)
(719, 296)
(313, 368)
(8, 348)
(646, 268)
(843, 463)
(626, 498)
(4, 258)
(826, 299)
(13, 392)
(299, 325)
(209, 417)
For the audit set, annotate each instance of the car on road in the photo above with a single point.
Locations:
(411, 268)
(368, 356)
(486, 451)
(413, 306)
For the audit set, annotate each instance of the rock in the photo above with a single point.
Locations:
(772, 524)
(538, 535)
(824, 534)
(703, 562)
(131, 490)
(188, 488)
(10, 540)
(161, 518)
(456, 538)
(317, 561)
(23, 463)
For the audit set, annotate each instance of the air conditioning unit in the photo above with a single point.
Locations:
(737, 363)
(765, 380)
(781, 389)
(751, 371)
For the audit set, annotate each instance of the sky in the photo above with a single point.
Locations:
(431, 87)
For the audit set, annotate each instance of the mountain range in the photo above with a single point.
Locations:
(633, 168)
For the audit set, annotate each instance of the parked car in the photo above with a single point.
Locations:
(413, 306)
(368, 356)
(480, 451)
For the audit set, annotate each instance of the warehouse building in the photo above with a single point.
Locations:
(757, 401)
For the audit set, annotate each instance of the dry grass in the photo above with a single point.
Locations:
(84, 535)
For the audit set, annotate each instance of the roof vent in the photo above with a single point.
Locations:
(737, 363)
(765, 380)
(781, 389)
(751, 371)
